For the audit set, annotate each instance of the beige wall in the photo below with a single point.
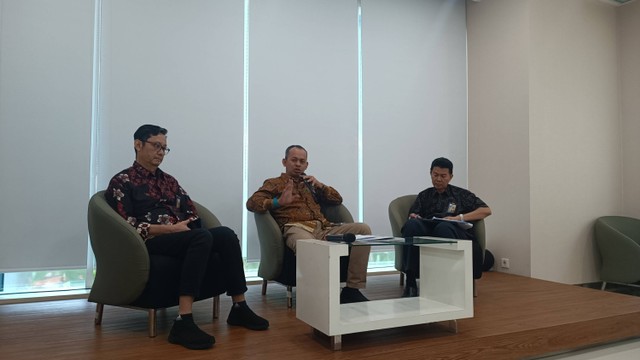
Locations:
(574, 134)
(544, 129)
(499, 124)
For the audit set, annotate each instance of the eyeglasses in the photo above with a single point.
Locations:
(158, 146)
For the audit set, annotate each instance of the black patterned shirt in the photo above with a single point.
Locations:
(451, 202)
(144, 198)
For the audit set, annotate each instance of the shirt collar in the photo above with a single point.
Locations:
(144, 172)
(286, 177)
(446, 191)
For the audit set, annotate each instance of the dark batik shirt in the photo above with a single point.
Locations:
(452, 202)
(144, 198)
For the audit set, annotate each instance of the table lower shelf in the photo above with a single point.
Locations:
(383, 314)
(446, 288)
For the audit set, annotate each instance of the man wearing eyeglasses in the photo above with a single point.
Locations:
(155, 204)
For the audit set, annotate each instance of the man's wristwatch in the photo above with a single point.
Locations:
(461, 217)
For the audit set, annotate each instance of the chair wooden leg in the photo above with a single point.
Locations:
(475, 288)
(401, 278)
(453, 326)
(264, 287)
(289, 296)
(152, 323)
(99, 310)
(216, 307)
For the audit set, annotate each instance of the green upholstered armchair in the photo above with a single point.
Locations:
(398, 214)
(618, 242)
(277, 261)
(125, 273)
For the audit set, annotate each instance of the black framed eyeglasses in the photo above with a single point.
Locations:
(158, 146)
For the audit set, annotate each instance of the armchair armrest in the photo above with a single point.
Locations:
(122, 261)
(271, 246)
(208, 219)
(481, 235)
(618, 247)
(399, 212)
(337, 213)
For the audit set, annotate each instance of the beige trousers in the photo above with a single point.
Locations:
(358, 258)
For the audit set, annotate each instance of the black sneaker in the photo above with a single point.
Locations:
(186, 333)
(351, 295)
(242, 315)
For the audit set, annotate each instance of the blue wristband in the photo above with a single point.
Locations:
(275, 203)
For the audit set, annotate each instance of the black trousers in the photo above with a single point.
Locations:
(417, 227)
(194, 248)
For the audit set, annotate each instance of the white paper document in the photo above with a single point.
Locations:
(463, 224)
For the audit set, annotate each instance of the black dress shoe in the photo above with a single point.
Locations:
(410, 291)
(351, 295)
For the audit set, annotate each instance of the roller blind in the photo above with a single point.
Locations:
(45, 122)
(414, 98)
(181, 64)
(177, 64)
(303, 90)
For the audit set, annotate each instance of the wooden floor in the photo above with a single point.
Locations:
(515, 318)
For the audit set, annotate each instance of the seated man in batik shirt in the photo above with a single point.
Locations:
(446, 202)
(155, 204)
(294, 199)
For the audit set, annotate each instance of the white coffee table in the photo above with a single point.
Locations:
(446, 290)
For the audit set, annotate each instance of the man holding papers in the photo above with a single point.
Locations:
(294, 199)
(442, 211)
